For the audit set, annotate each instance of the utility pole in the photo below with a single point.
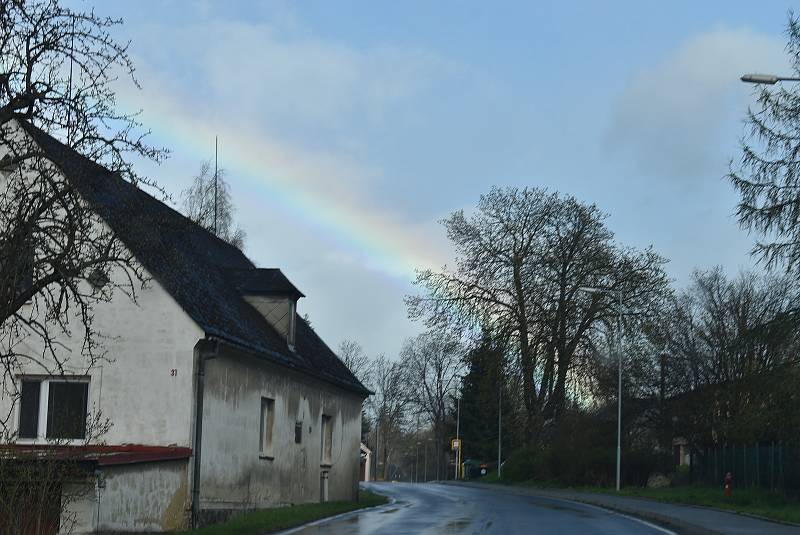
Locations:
(216, 181)
(619, 389)
(499, 423)
(458, 432)
(618, 345)
(425, 470)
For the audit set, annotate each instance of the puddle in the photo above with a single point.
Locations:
(456, 526)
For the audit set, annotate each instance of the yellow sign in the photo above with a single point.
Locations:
(455, 444)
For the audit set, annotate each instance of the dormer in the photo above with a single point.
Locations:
(273, 295)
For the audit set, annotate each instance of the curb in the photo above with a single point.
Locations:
(340, 516)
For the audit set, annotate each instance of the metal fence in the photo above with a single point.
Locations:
(768, 465)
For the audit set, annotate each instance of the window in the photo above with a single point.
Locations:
(29, 409)
(53, 408)
(298, 432)
(267, 420)
(327, 438)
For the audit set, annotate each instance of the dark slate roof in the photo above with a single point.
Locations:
(263, 281)
(199, 270)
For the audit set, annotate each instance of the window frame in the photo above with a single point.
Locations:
(43, 410)
(326, 440)
(298, 432)
(266, 428)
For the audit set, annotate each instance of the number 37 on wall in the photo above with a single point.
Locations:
(173, 372)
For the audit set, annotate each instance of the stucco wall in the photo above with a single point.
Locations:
(232, 473)
(149, 497)
(145, 388)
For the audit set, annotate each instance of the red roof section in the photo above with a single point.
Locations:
(102, 455)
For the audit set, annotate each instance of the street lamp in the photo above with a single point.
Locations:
(499, 423)
(458, 430)
(416, 463)
(770, 79)
(618, 294)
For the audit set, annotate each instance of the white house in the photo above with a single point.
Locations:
(221, 397)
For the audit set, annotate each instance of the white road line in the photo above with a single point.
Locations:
(613, 512)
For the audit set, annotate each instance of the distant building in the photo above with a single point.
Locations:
(366, 463)
(222, 398)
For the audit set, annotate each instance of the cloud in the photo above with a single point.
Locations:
(292, 112)
(671, 116)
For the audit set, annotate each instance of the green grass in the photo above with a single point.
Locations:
(278, 518)
(752, 501)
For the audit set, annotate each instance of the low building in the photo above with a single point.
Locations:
(221, 397)
(366, 463)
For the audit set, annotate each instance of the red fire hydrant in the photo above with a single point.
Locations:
(728, 485)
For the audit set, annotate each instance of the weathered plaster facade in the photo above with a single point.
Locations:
(147, 388)
(235, 475)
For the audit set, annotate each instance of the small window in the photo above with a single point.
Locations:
(66, 410)
(327, 439)
(298, 432)
(23, 267)
(63, 406)
(267, 420)
(29, 409)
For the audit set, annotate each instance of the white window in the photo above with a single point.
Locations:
(53, 408)
(327, 438)
(267, 421)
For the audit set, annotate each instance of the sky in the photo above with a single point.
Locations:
(348, 129)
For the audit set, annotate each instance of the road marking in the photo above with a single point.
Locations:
(577, 502)
(613, 512)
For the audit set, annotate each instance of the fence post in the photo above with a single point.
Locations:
(744, 465)
(772, 466)
(758, 467)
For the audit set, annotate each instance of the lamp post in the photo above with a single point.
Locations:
(425, 470)
(416, 462)
(769, 79)
(618, 294)
(458, 430)
(499, 422)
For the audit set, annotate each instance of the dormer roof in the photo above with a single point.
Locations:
(270, 282)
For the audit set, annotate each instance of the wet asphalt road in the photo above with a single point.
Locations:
(447, 509)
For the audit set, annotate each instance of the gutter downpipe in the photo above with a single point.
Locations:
(204, 354)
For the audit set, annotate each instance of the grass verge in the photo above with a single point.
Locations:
(752, 501)
(278, 518)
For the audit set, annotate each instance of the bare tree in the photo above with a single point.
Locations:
(58, 258)
(730, 345)
(352, 355)
(522, 260)
(433, 362)
(208, 203)
(767, 175)
(389, 407)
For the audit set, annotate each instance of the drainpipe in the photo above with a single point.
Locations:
(204, 353)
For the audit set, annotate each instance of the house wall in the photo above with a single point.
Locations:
(145, 388)
(233, 475)
(147, 497)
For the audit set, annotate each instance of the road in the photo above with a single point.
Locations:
(447, 509)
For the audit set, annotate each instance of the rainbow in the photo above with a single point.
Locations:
(379, 241)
